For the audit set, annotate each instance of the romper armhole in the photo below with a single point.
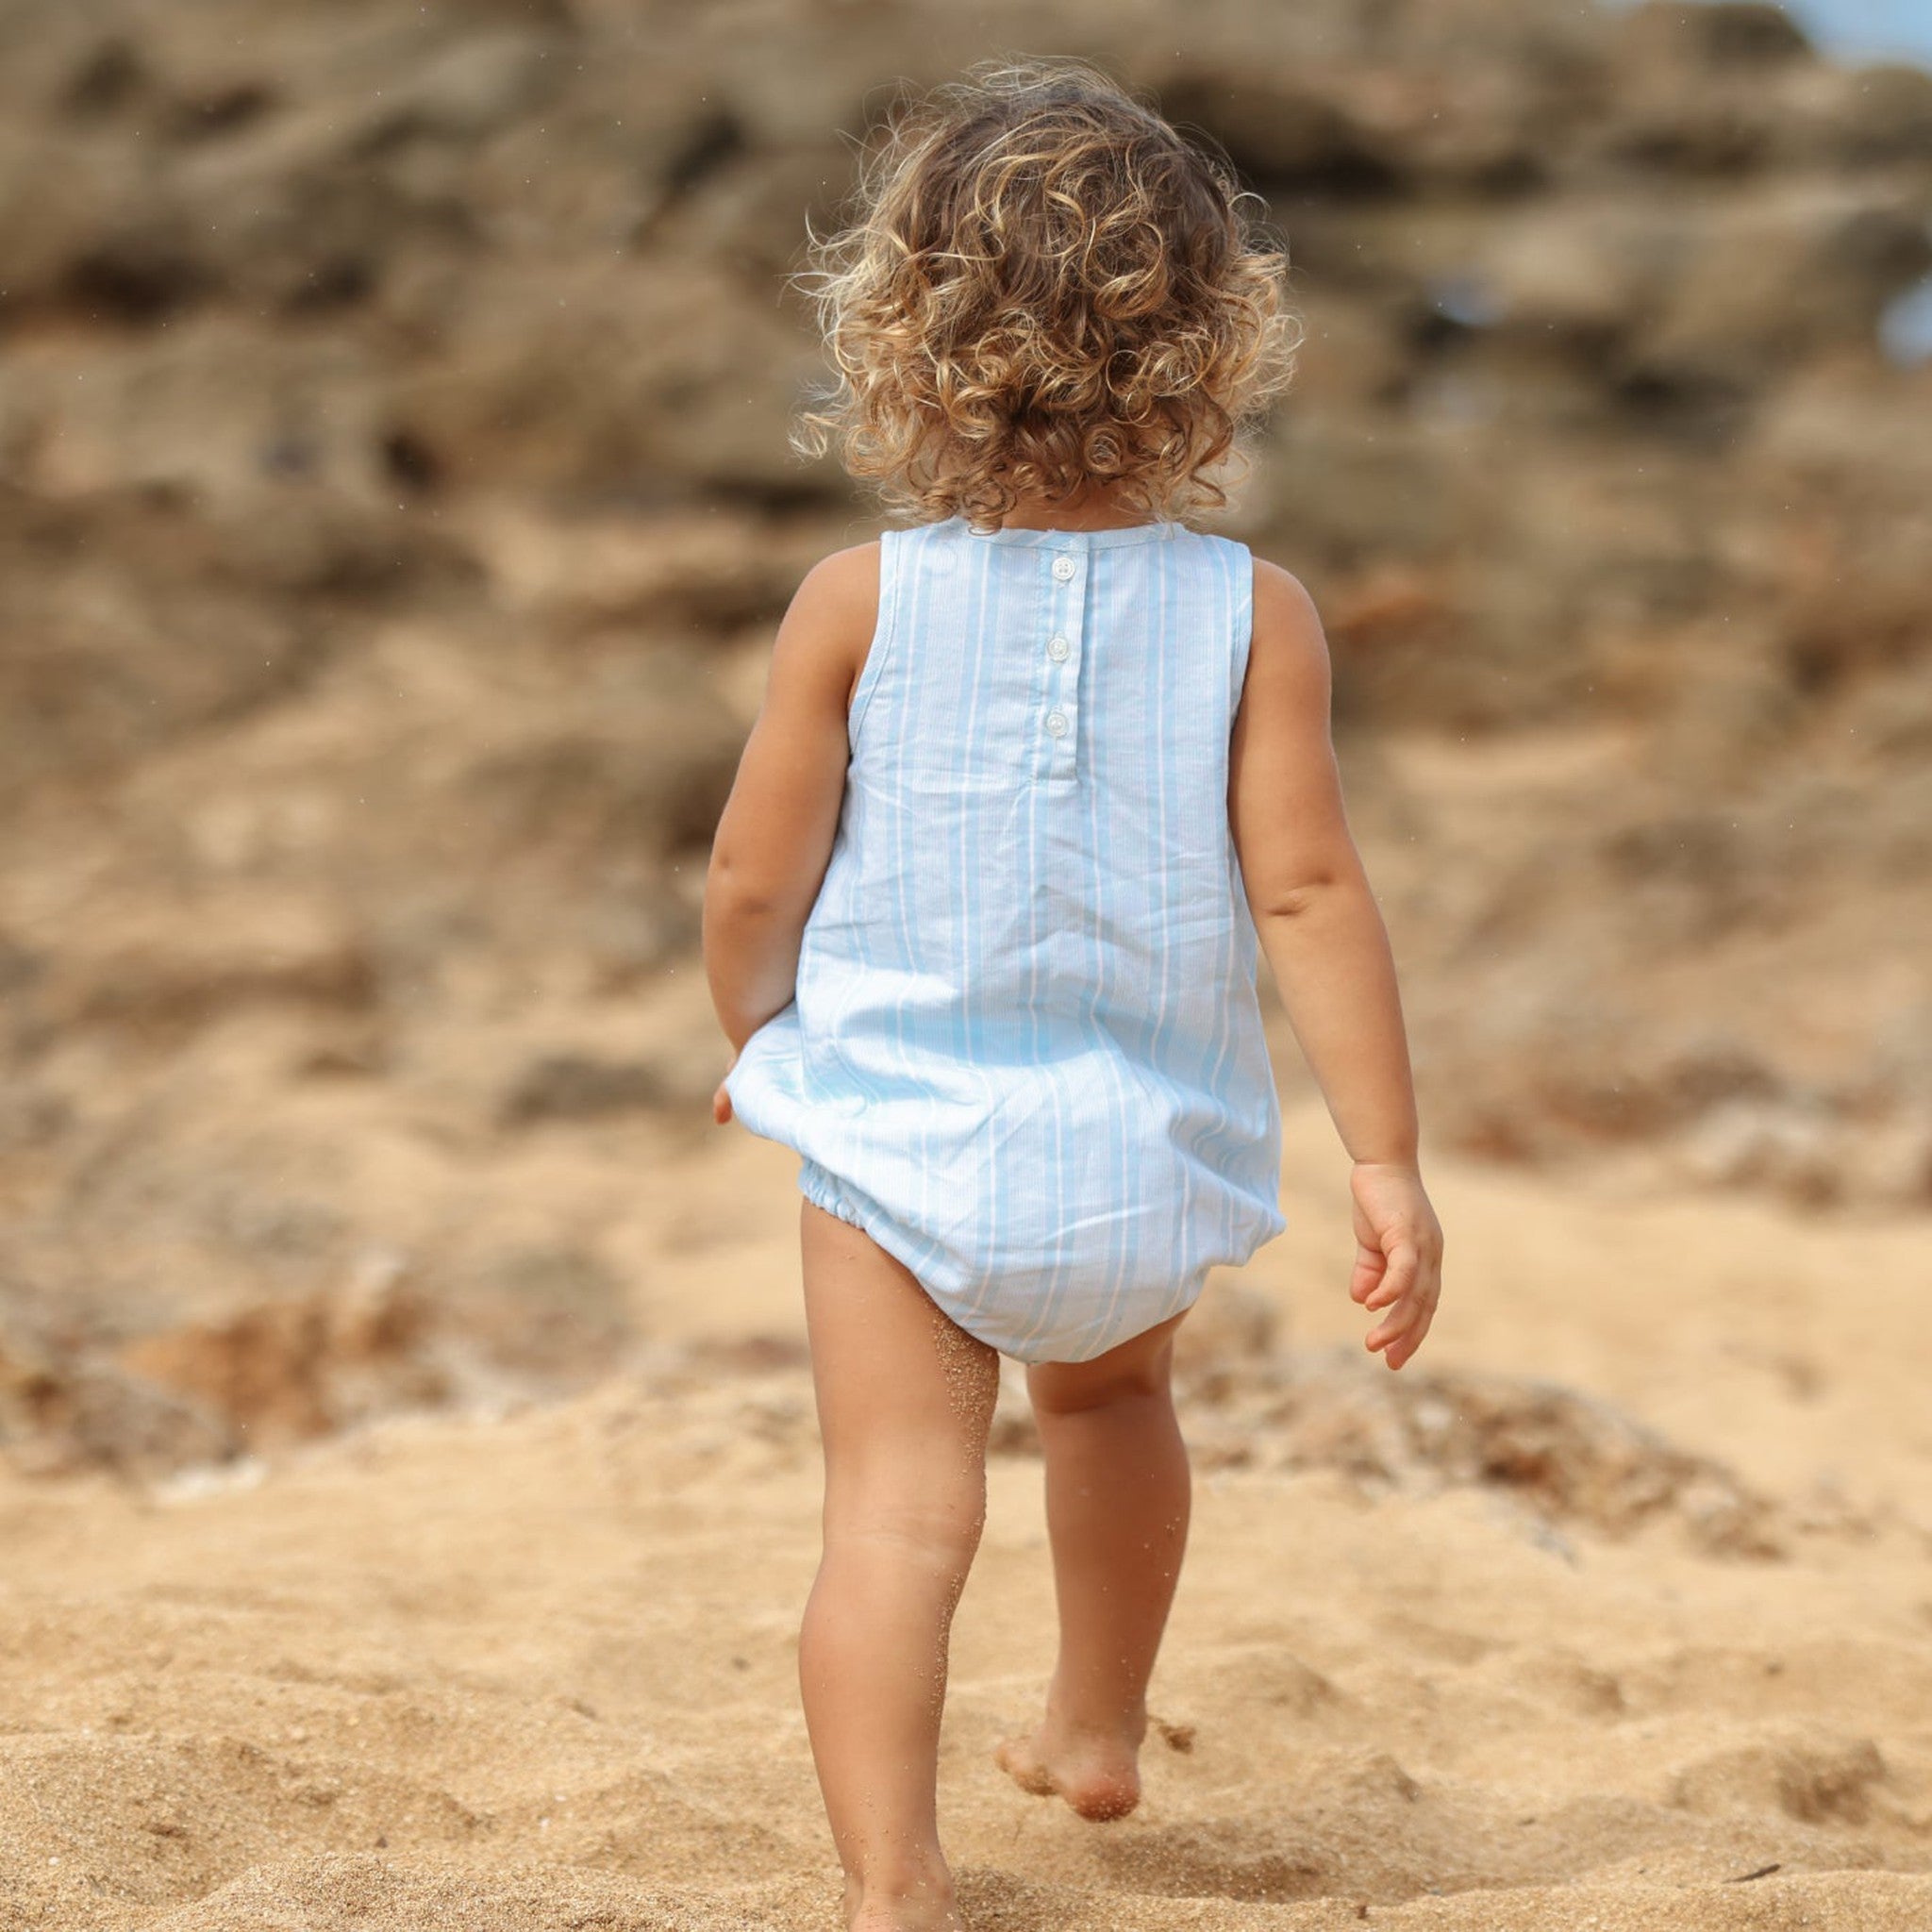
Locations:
(882, 634)
(1241, 625)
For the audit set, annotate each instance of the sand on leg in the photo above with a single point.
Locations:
(905, 1401)
(1118, 1495)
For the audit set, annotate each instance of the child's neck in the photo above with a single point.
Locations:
(1089, 509)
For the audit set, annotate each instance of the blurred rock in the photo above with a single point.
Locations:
(303, 1367)
(569, 1086)
(1767, 1146)
(1750, 34)
(542, 1316)
(393, 1333)
(178, 973)
(1560, 1455)
(396, 511)
(59, 1418)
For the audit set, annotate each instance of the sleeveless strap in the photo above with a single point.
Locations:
(892, 568)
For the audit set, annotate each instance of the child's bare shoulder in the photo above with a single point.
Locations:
(841, 589)
(1289, 650)
(833, 614)
(1283, 607)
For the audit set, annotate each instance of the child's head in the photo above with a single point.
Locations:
(1044, 287)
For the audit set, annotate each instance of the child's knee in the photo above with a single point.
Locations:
(939, 1522)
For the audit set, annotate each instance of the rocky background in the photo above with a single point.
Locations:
(395, 511)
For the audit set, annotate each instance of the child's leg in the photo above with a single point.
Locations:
(1117, 1499)
(905, 1399)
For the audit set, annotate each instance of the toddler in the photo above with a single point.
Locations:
(1038, 776)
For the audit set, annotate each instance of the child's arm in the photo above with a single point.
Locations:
(775, 836)
(1326, 942)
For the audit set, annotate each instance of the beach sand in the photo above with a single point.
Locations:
(408, 1481)
(1652, 1649)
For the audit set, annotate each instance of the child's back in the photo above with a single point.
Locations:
(1024, 1054)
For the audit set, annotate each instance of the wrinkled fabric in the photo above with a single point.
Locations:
(1024, 1052)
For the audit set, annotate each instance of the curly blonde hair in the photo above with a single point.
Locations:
(1041, 285)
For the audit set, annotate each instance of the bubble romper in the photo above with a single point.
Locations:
(1025, 1052)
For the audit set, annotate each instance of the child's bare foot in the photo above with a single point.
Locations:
(1098, 1775)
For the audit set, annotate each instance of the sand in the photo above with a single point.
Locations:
(394, 514)
(536, 1668)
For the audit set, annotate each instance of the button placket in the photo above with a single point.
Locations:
(1059, 712)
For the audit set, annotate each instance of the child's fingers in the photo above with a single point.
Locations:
(1395, 1325)
(1404, 1346)
(721, 1105)
(1400, 1274)
(1401, 1333)
(1415, 1306)
(1370, 1262)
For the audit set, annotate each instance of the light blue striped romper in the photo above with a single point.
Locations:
(1024, 1054)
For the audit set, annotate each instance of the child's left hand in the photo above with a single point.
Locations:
(1398, 1264)
(720, 1100)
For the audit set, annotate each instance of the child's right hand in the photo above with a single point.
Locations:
(1398, 1263)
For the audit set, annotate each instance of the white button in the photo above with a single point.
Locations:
(1063, 568)
(1056, 723)
(1057, 648)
